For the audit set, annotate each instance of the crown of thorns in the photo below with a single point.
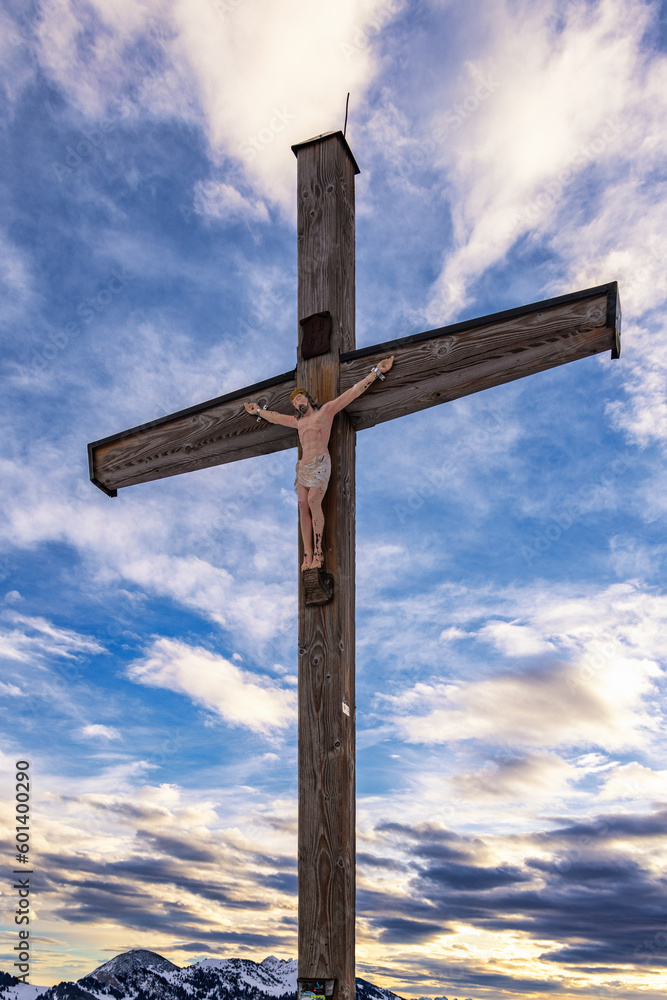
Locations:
(297, 392)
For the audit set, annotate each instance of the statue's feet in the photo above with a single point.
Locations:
(307, 562)
(317, 562)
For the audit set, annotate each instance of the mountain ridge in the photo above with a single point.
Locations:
(140, 974)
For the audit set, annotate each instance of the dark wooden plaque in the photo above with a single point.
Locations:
(316, 334)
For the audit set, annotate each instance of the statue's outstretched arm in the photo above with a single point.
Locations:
(272, 416)
(360, 387)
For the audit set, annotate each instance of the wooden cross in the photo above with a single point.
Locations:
(429, 368)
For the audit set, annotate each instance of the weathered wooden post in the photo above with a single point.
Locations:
(325, 220)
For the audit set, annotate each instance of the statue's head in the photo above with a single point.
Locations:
(302, 402)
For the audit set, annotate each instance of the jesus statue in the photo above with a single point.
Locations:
(313, 424)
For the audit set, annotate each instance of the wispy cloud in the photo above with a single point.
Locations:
(35, 637)
(570, 98)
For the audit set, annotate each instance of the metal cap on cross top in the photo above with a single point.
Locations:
(317, 139)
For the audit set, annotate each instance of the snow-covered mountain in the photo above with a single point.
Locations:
(130, 963)
(144, 975)
(12, 989)
(239, 977)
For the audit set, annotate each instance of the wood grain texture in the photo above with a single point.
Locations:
(326, 633)
(211, 434)
(445, 364)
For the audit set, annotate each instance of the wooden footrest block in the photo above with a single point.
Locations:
(318, 586)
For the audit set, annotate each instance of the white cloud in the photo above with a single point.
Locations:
(238, 696)
(636, 784)
(97, 731)
(373, 558)
(515, 639)
(521, 778)
(15, 36)
(11, 690)
(451, 634)
(238, 70)
(549, 708)
(595, 681)
(213, 592)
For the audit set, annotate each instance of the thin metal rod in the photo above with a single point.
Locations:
(347, 103)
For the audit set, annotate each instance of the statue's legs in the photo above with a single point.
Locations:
(315, 497)
(306, 524)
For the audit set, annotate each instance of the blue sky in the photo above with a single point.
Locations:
(511, 604)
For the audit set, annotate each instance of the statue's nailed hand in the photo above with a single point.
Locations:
(251, 407)
(385, 365)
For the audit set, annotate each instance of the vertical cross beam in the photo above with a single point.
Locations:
(325, 223)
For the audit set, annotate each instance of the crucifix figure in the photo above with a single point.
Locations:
(313, 424)
(431, 368)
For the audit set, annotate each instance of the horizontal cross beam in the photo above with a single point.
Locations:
(430, 368)
(454, 361)
(211, 433)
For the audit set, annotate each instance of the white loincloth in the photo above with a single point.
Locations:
(315, 472)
